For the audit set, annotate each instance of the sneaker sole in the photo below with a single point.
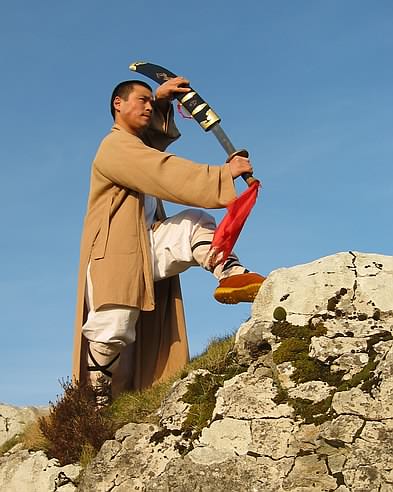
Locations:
(234, 296)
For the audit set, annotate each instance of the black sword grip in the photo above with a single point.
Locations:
(192, 101)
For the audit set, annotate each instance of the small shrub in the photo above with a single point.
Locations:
(75, 422)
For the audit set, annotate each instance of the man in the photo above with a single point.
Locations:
(130, 322)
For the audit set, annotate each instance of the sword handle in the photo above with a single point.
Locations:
(199, 109)
(248, 177)
(192, 101)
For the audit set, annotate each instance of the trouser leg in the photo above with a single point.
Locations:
(184, 240)
(108, 330)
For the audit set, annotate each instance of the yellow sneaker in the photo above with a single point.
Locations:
(238, 288)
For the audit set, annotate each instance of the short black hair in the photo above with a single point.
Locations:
(123, 90)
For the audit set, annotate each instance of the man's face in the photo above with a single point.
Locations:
(134, 114)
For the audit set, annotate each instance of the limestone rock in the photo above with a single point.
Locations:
(244, 473)
(313, 411)
(249, 395)
(138, 453)
(343, 429)
(228, 435)
(173, 411)
(34, 472)
(14, 419)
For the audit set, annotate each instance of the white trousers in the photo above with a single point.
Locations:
(177, 244)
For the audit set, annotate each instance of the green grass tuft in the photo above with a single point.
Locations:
(139, 406)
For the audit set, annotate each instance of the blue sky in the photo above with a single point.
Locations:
(305, 86)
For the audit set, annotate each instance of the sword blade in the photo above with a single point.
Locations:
(230, 149)
(223, 138)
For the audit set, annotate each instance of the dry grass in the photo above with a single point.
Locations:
(33, 439)
(139, 406)
(215, 358)
(7, 445)
(87, 455)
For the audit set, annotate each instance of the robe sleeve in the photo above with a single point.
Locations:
(126, 161)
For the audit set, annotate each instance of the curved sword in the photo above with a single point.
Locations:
(198, 108)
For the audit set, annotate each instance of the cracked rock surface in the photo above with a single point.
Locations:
(312, 411)
(26, 471)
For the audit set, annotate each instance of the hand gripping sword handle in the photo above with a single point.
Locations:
(248, 177)
(198, 108)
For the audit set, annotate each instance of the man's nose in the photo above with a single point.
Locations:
(149, 106)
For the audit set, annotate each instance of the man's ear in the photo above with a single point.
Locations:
(116, 103)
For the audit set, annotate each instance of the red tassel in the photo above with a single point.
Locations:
(231, 225)
(182, 113)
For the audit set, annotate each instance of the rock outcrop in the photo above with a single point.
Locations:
(14, 419)
(312, 409)
(24, 471)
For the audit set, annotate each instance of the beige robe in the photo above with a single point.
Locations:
(115, 241)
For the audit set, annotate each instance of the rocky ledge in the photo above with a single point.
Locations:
(14, 419)
(312, 409)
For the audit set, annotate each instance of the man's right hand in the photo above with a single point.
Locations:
(239, 165)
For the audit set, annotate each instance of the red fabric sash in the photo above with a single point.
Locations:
(231, 225)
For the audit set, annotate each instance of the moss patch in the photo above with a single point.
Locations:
(294, 348)
(362, 376)
(201, 395)
(333, 301)
(367, 377)
(290, 349)
(280, 314)
(285, 330)
(308, 369)
(313, 413)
